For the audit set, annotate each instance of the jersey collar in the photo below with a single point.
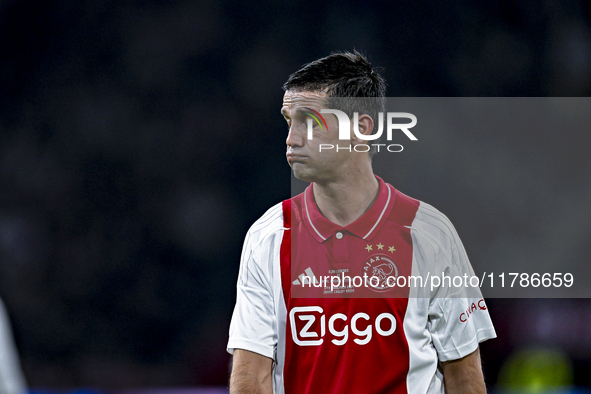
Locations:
(366, 227)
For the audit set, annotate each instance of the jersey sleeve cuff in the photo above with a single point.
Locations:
(249, 345)
(463, 351)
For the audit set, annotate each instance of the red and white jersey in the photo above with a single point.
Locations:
(355, 339)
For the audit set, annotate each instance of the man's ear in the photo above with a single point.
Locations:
(364, 127)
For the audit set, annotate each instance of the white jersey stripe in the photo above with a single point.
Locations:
(310, 220)
(281, 310)
(382, 214)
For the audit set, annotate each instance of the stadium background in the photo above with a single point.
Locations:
(140, 139)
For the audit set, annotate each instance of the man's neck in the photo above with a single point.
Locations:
(344, 201)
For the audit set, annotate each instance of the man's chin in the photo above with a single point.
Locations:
(302, 173)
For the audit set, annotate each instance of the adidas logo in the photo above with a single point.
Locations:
(307, 274)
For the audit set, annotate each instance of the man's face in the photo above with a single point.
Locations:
(304, 155)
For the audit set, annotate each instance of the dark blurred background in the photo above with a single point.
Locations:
(140, 139)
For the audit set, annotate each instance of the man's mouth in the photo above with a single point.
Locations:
(295, 157)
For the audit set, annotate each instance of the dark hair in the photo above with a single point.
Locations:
(345, 77)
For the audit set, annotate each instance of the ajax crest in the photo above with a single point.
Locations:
(381, 267)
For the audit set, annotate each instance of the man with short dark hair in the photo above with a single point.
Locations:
(294, 332)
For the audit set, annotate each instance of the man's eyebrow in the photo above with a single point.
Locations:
(299, 112)
(304, 111)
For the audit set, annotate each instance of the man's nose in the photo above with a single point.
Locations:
(294, 136)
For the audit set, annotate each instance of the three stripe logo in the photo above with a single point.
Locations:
(309, 277)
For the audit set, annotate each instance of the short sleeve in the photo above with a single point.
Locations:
(458, 317)
(458, 325)
(254, 323)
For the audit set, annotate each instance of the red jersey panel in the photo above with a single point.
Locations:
(342, 339)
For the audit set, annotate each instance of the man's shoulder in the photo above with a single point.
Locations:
(279, 216)
(270, 220)
(433, 229)
(430, 218)
(426, 220)
(265, 228)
